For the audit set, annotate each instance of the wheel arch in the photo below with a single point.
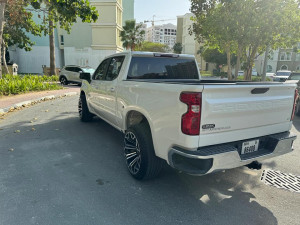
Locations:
(134, 117)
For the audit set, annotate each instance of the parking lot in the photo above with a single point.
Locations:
(55, 169)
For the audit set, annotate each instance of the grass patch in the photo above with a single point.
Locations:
(205, 73)
(12, 85)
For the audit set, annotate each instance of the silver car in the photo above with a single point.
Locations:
(70, 74)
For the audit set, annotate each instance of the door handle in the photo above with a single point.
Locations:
(112, 89)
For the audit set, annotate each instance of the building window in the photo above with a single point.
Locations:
(284, 67)
(269, 68)
(298, 68)
(285, 56)
(271, 55)
(298, 57)
(62, 40)
(288, 56)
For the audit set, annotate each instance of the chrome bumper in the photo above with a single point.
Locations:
(227, 156)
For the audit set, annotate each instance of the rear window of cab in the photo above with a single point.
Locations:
(162, 68)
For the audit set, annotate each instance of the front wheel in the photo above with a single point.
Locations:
(141, 160)
(63, 80)
(83, 110)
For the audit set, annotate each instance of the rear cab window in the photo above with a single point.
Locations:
(162, 68)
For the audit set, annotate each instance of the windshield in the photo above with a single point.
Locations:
(283, 74)
(162, 68)
(295, 76)
(88, 70)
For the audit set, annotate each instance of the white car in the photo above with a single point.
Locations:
(270, 76)
(71, 74)
(241, 73)
(168, 113)
(282, 75)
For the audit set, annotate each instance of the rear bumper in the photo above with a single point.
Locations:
(226, 156)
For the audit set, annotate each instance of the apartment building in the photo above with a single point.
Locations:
(189, 44)
(279, 59)
(163, 34)
(288, 59)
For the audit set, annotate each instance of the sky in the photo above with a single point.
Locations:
(162, 9)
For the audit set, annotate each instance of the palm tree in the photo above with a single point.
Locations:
(132, 35)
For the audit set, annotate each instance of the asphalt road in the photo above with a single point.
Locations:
(56, 170)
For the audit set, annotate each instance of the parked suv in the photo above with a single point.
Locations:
(70, 74)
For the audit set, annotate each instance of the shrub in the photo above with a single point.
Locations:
(205, 73)
(253, 78)
(10, 84)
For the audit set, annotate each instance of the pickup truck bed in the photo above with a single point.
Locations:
(197, 126)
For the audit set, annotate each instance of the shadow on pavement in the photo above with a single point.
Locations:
(296, 122)
(75, 172)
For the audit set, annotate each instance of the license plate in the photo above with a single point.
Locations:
(250, 146)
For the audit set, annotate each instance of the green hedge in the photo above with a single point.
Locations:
(10, 84)
(253, 78)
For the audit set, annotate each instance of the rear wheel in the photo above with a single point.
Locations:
(141, 160)
(83, 110)
(63, 80)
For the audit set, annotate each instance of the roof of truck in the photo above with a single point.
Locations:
(152, 54)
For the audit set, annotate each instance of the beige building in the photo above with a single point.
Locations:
(189, 44)
(88, 44)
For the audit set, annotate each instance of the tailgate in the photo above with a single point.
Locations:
(243, 111)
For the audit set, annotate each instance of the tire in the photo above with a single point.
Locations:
(63, 80)
(83, 110)
(141, 161)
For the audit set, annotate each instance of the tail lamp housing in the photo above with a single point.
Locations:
(190, 121)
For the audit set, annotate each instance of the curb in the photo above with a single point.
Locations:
(34, 101)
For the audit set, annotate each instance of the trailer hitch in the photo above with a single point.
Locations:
(254, 165)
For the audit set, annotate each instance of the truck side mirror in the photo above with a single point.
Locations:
(85, 76)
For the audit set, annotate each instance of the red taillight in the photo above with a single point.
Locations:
(190, 121)
(295, 104)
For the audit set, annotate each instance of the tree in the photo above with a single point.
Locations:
(2, 22)
(18, 22)
(246, 27)
(153, 47)
(15, 22)
(213, 55)
(212, 25)
(132, 35)
(64, 13)
(177, 48)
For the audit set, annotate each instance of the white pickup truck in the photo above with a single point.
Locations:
(167, 112)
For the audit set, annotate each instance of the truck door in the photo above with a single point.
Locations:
(98, 89)
(110, 102)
